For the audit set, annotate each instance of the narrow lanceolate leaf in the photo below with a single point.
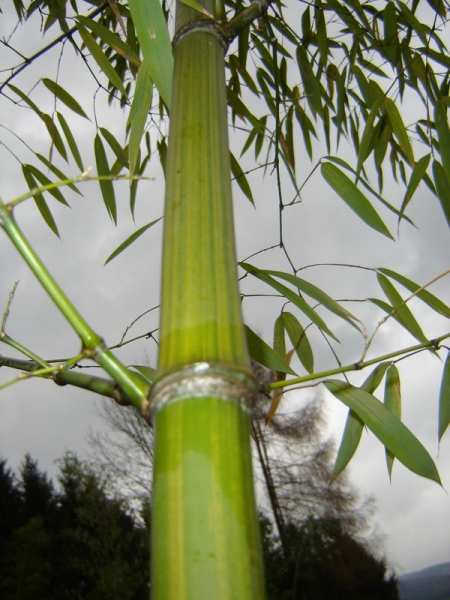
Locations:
(353, 196)
(354, 425)
(65, 97)
(366, 139)
(40, 202)
(130, 240)
(55, 136)
(349, 443)
(444, 399)
(71, 141)
(264, 354)
(442, 183)
(279, 342)
(443, 131)
(416, 177)
(310, 82)
(59, 174)
(139, 110)
(278, 394)
(240, 178)
(299, 340)
(399, 129)
(291, 296)
(44, 180)
(401, 312)
(387, 427)
(115, 147)
(101, 59)
(153, 35)
(198, 7)
(106, 186)
(147, 372)
(423, 295)
(312, 290)
(110, 38)
(393, 402)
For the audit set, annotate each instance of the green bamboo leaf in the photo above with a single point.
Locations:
(416, 177)
(110, 38)
(40, 202)
(443, 131)
(161, 146)
(399, 129)
(153, 35)
(101, 59)
(310, 82)
(26, 99)
(413, 22)
(115, 147)
(130, 240)
(65, 97)
(299, 340)
(106, 186)
(55, 136)
(442, 184)
(444, 399)
(423, 295)
(438, 6)
(387, 427)
(390, 44)
(393, 402)
(139, 110)
(279, 341)
(351, 437)
(354, 425)
(314, 292)
(240, 178)
(291, 296)
(321, 27)
(355, 199)
(198, 7)
(402, 313)
(59, 174)
(264, 354)
(44, 180)
(71, 141)
(365, 145)
(147, 372)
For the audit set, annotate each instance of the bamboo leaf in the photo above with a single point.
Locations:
(278, 395)
(198, 7)
(153, 35)
(393, 402)
(65, 97)
(402, 313)
(310, 82)
(101, 59)
(424, 294)
(351, 437)
(366, 139)
(399, 129)
(311, 290)
(291, 296)
(106, 186)
(299, 340)
(40, 202)
(442, 184)
(279, 342)
(44, 180)
(147, 372)
(240, 178)
(55, 135)
(354, 425)
(264, 354)
(139, 110)
(416, 177)
(133, 237)
(71, 141)
(353, 197)
(59, 174)
(111, 39)
(387, 427)
(26, 99)
(115, 147)
(444, 399)
(443, 131)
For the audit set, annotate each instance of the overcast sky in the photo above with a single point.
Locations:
(44, 420)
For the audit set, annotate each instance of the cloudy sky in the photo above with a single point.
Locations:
(44, 420)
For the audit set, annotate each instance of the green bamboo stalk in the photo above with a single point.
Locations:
(93, 345)
(205, 535)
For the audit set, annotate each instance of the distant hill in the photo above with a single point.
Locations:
(432, 583)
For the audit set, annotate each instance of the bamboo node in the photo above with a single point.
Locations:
(201, 380)
(203, 25)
